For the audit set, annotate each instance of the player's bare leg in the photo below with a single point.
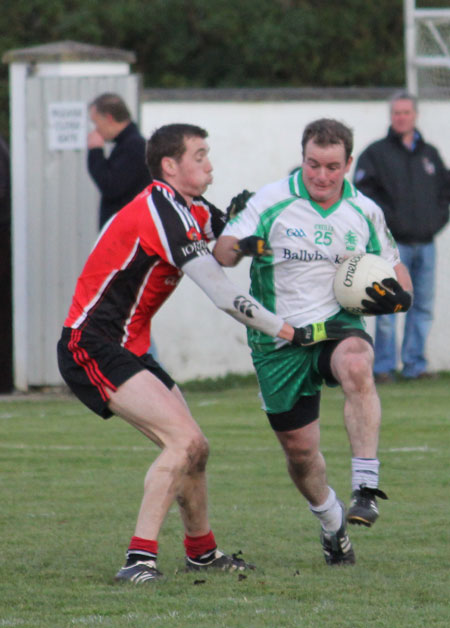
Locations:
(179, 470)
(352, 366)
(307, 469)
(305, 463)
(177, 473)
(192, 496)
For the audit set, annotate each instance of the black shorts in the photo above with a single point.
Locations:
(305, 411)
(89, 364)
(307, 408)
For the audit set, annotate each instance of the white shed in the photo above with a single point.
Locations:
(54, 202)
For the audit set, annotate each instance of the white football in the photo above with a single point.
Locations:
(354, 275)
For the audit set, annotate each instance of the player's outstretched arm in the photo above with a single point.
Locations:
(209, 276)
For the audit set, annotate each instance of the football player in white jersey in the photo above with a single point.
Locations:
(103, 356)
(298, 230)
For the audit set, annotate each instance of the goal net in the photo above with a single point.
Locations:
(428, 51)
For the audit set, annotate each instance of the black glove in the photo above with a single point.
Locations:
(389, 301)
(318, 332)
(237, 204)
(253, 246)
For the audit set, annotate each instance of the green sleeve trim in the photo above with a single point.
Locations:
(374, 245)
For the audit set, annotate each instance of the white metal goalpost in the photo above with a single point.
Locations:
(427, 50)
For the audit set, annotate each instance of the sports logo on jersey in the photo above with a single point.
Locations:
(196, 247)
(291, 232)
(302, 255)
(350, 240)
(193, 234)
(244, 306)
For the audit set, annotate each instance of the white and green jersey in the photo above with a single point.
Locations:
(308, 243)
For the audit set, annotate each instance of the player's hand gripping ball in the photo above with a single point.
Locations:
(387, 298)
(366, 285)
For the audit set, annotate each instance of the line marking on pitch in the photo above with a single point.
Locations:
(25, 446)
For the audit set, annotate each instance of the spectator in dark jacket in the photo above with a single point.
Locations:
(406, 177)
(122, 175)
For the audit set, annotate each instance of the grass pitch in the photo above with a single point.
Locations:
(71, 486)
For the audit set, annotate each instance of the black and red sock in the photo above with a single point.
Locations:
(141, 549)
(200, 548)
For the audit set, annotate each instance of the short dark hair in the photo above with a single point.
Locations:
(403, 95)
(168, 141)
(112, 104)
(327, 131)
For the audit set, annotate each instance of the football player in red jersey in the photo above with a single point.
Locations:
(136, 263)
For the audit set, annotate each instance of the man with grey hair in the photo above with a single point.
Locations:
(124, 173)
(406, 177)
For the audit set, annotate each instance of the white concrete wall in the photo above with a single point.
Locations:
(253, 143)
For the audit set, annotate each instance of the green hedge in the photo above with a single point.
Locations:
(225, 43)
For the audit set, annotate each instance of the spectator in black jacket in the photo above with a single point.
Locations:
(124, 173)
(406, 177)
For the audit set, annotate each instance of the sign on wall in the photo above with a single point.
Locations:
(67, 125)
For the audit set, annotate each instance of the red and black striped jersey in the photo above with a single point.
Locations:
(136, 264)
